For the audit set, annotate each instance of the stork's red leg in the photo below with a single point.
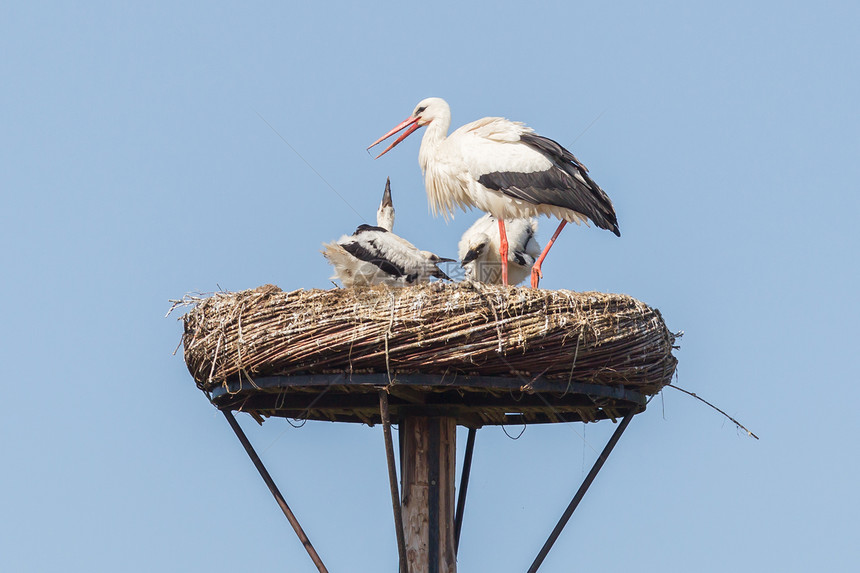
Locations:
(536, 274)
(503, 251)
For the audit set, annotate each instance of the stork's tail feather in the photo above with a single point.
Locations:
(341, 260)
(335, 253)
(605, 217)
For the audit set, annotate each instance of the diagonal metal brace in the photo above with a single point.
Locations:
(392, 479)
(581, 492)
(274, 489)
(464, 485)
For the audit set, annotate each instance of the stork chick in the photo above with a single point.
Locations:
(479, 250)
(375, 255)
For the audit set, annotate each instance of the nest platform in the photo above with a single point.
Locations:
(479, 353)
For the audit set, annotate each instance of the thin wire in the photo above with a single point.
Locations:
(281, 435)
(520, 435)
(278, 437)
(311, 166)
(697, 397)
(572, 427)
(589, 126)
(528, 382)
(663, 402)
(550, 406)
(582, 474)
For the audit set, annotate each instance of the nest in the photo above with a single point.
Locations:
(438, 329)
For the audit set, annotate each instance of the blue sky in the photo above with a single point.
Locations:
(136, 165)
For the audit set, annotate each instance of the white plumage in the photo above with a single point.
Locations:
(375, 255)
(479, 250)
(503, 168)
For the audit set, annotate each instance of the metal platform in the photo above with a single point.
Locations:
(474, 401)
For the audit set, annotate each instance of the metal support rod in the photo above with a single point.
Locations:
(464, 485)
(581, 492)
(392, 480)
(274, 489)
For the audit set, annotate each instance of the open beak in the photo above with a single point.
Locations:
(410, 122)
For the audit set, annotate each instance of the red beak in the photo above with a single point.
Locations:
(410, 121)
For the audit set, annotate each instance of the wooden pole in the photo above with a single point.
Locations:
(428, 461)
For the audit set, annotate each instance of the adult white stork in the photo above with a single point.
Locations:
(479, 250)
(375, 255)
(504, 168)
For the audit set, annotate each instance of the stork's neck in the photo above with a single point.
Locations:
(385, 217)
(434, 136)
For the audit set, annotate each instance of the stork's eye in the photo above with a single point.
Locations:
(420, 110)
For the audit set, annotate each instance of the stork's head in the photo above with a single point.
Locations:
(427, 111)
(473, 245)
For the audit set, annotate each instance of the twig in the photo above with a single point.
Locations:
(430, 330)
(736, 423)
(387, 334)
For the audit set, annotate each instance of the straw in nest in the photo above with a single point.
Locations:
(464, 328)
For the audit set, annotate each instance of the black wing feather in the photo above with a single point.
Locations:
(556, 186)
(372, 256)
(365, 228)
